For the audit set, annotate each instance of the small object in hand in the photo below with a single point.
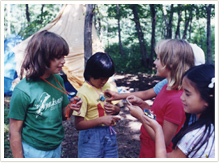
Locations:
(102, 98)
(76, 100)
(148, 113)
(108, 95)
(71, 95)
(127, 100)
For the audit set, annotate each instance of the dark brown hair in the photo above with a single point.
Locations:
(43, 47)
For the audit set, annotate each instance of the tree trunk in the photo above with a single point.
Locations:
(42, 11)
(169, 27)
(190, 30)
(140, 36)
(88, 33)
(27, 14)
(209, 47)
(187, 20)
(165, 22)
(153, 18)
(119, 31)
(177, 36)
(97, 22)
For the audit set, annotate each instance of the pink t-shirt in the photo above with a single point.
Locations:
(167, 106)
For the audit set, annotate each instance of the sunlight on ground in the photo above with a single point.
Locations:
(116, 77)
(134, 78)
(135, 126)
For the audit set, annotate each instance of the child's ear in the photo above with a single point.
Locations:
(206, 104)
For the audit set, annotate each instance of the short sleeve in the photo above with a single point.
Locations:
(184, 144)
(19, 104)
(159, 86)
(175, 112)
(189, 140)
(83, 108)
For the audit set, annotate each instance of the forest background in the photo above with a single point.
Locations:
(128, 32)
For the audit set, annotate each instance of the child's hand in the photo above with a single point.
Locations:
(111, 109)
(111, 95)
(135, 111)
(76, 104)
(110, 120)
(133, 100)
(151, 122)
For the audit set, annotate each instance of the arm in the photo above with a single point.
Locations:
(82, 124)
(160, 144)
(176, 153)
(144, 95)
(111, 109)
(133, 100)
(138, 113)
(169, 130)
(75, 104)
(15, 127)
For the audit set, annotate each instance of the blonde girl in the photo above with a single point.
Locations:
(174, 57)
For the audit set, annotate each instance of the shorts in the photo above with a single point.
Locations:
(31, 152)
(98, 142)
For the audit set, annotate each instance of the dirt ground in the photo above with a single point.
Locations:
(128, 128)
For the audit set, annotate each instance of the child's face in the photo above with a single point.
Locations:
(191, 98)
(98, 83)
(161, 70)
(55, 66)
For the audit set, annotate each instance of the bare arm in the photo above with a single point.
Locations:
(169, 130)
(144, 95)
(111, 109)
(160, 140)
(82, 124)
(15, 127)
(161, 148)
(75, 104)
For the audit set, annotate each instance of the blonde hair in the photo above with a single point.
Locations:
(177, 57)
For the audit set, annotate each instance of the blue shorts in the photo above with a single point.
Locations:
(31, 152)
(98, 142)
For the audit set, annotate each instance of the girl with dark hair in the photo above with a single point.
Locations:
(97, 138)
(39, 102)
(196, 140)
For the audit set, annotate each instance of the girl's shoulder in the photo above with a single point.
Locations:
(196, 136)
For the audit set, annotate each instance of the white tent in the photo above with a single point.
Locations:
(69, 24)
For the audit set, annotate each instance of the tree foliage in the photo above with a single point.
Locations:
(137, 36)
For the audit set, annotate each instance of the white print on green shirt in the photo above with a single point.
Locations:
(44, 104)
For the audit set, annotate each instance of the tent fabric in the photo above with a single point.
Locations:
(9, 63)
(69, 24)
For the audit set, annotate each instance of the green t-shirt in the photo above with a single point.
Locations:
(39, 106)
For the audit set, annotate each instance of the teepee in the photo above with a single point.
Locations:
(69, 24)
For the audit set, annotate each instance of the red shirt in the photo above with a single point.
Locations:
(167, 106)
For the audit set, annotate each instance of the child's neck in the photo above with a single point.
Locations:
(168, 83)
(90, 83)
(46, 75)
